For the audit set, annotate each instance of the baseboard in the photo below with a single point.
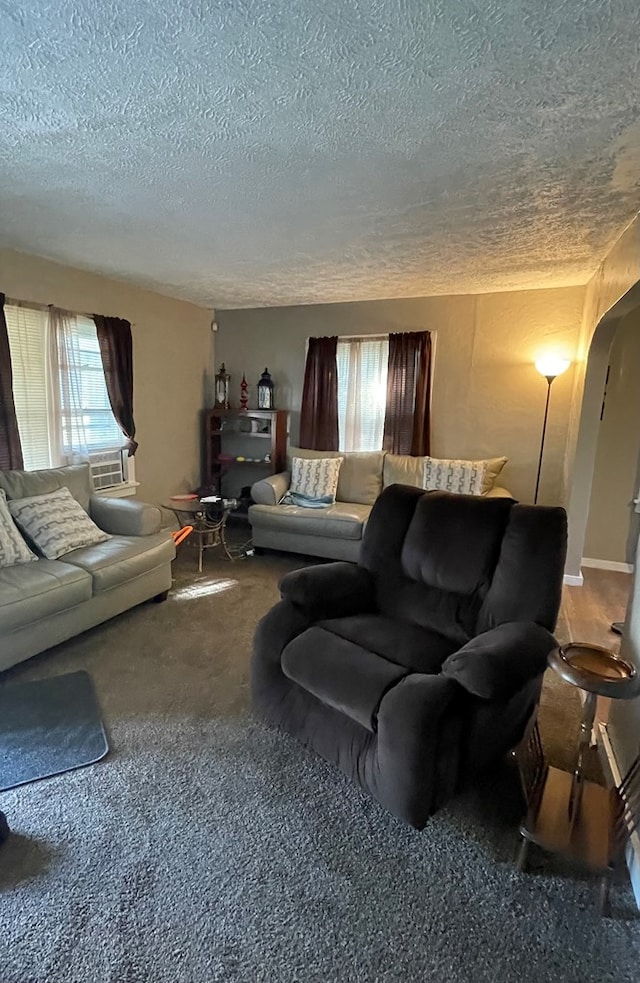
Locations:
(614, 565)
(633, 849)
(573, 580)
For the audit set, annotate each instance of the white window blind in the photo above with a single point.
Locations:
(88, 423)
(60, 393)
(362, 392)
(27, 330)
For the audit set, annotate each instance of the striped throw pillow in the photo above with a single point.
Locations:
(13, 548)
(314, 481)
(461, 477)
(56, 523)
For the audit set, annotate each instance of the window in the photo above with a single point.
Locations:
(362, 392)
(60, 393)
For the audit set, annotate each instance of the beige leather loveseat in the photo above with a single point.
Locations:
(335, 532)
(46, 601)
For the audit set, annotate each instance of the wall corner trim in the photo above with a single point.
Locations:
(588, 561)
(573, 579)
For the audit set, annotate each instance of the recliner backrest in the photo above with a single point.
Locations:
(460, 564)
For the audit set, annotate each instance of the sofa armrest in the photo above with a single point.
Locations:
(270, 490)
(499, 662)
(330, 590)
(122, 517)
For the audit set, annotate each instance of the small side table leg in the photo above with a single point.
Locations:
(603, 898)
(223, 541)
(584, 742)
(523, 855)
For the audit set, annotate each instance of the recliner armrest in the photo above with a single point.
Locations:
(330, 590)
(122, 517)
(499, 662)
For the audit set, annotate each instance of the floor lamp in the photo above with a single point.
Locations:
(550, 368)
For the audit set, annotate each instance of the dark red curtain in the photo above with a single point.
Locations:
(319, 413)
(116, 349)
(10, 446)
(407, 418)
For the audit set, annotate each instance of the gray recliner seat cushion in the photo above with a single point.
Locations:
(342, 520)
(412, 646)
(340, 673)
(32, 591)
(122, 558)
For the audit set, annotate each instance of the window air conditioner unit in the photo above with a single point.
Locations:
(108, 468)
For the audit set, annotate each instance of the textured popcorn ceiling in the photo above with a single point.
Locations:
(261, 152)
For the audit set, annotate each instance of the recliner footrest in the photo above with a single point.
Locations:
(343, 675)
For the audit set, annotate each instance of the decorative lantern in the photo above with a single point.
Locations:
(222, 389)
(265, 391)
(244, 393)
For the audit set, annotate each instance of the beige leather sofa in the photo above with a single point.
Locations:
(45, 602)
(336, 532)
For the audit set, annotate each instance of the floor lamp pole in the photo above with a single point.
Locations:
(549, 379)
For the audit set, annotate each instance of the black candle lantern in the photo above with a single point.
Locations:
(222, 389)
(265, 391)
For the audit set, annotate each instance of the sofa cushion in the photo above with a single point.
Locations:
(360, 478)
(13, 548)
(32, 591)
(412, 646)
(122, 558)
(340, 673)
(56, 523)
(338, 521)
(25, 484)
(401, 469)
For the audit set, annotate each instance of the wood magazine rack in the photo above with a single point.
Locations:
(226, 430)
(595, 833)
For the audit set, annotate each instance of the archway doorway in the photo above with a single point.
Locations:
(620, 737)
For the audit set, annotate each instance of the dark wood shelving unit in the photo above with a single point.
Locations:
(248, 434)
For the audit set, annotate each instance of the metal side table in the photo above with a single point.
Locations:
(208, 524)
(566, 814)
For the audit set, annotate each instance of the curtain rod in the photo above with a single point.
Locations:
(361, 337)
(30, 305)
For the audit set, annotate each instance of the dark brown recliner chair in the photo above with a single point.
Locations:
(421, 664)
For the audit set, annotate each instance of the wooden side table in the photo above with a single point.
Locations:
(566, 814)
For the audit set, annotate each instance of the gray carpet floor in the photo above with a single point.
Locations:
(207, 847)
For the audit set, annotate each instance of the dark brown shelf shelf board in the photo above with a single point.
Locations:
(256, 464)
(261, 414)
(238, 433)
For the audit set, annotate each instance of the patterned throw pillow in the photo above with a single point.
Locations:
(56, 523)
(13, 548)
(462, 477)
(314, 482)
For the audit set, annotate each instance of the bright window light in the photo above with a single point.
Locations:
(191, 592)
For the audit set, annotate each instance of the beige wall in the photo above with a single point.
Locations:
(488, 400)
(612, 526)
(607, 299)
(171, 352)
